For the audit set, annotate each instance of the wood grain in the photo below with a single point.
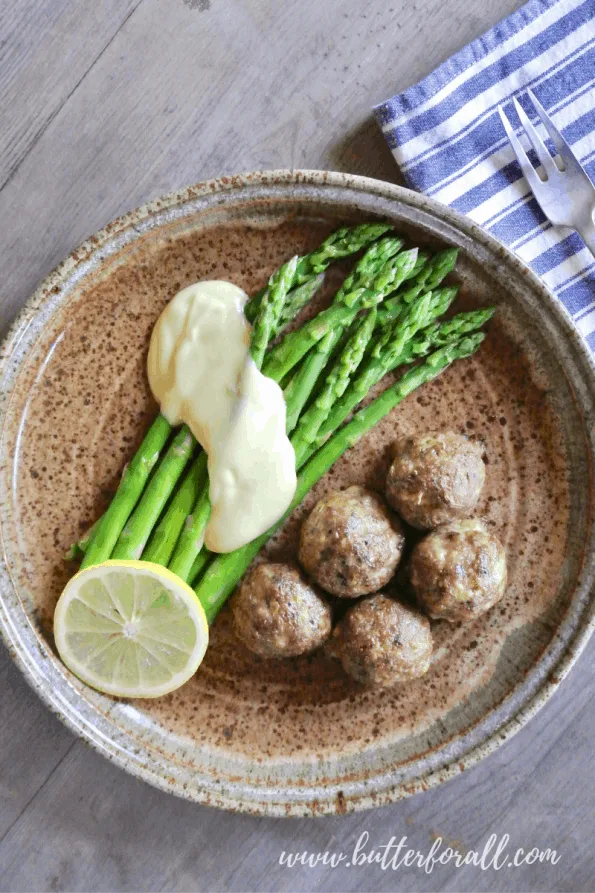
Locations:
(105, 105)
(34, 88)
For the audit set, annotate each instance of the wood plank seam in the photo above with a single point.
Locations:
(41, 786)
(57, 111)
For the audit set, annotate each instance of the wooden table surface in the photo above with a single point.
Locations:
(104, 105)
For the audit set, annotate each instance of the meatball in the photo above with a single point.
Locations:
(458, 571)
(381, 642)
(276, 613)
(435, 478)
(350, 544)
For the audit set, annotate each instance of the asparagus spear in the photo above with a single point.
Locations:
(441, 333)
(334, 387)
(191, 537)
(271, 307)
(137, 529)
(339, 244)
(365, 273)
(342, 243)
(438, 334)
(131, 486)
(165, 535)
(392, 338)
(387, 350)
(224, 573)
(369, 266)
(429, 277)
(199, 563)
(297, 300)
(296, 344)
(423, 258)
(301, 381)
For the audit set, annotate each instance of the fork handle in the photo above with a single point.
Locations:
(586, 231)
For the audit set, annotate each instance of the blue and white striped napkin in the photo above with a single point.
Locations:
(448, 139)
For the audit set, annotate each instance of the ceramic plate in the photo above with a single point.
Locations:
(297, 737)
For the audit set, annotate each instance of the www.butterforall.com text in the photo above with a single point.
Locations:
(495, 855)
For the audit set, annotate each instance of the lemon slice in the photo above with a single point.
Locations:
(131, 629)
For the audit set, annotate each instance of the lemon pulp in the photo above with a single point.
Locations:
(130, 628)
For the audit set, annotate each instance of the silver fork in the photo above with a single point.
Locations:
(565, 194)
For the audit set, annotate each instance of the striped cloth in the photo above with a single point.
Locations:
(448, 139)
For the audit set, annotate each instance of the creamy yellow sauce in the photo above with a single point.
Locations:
(201, 373)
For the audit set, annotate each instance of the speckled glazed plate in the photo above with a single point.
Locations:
(297, 737)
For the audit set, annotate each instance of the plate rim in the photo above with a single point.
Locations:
(79, 259)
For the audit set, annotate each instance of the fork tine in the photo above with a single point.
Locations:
(526, 166)
(539, 146)
(556, 137)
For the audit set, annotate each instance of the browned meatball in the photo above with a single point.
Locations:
(435, 478)
(276, 613)
(381, 642)
(351, 543)
(458, 571)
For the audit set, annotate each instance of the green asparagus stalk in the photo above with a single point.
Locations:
(295, 345)
(392, 337)
(388, 348)
(441, 334)
(369, 267)
(192, 536)
(162, 541)
(429, 277)
(423, 258)
(290, 380)
(224, 573)
(438, 334)
(203, 557)
(334, 387)
(271, 307)
(137, 529)
(131, 486)
(296, 300)
(342, 243)
(364, 275)
(300, 385)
